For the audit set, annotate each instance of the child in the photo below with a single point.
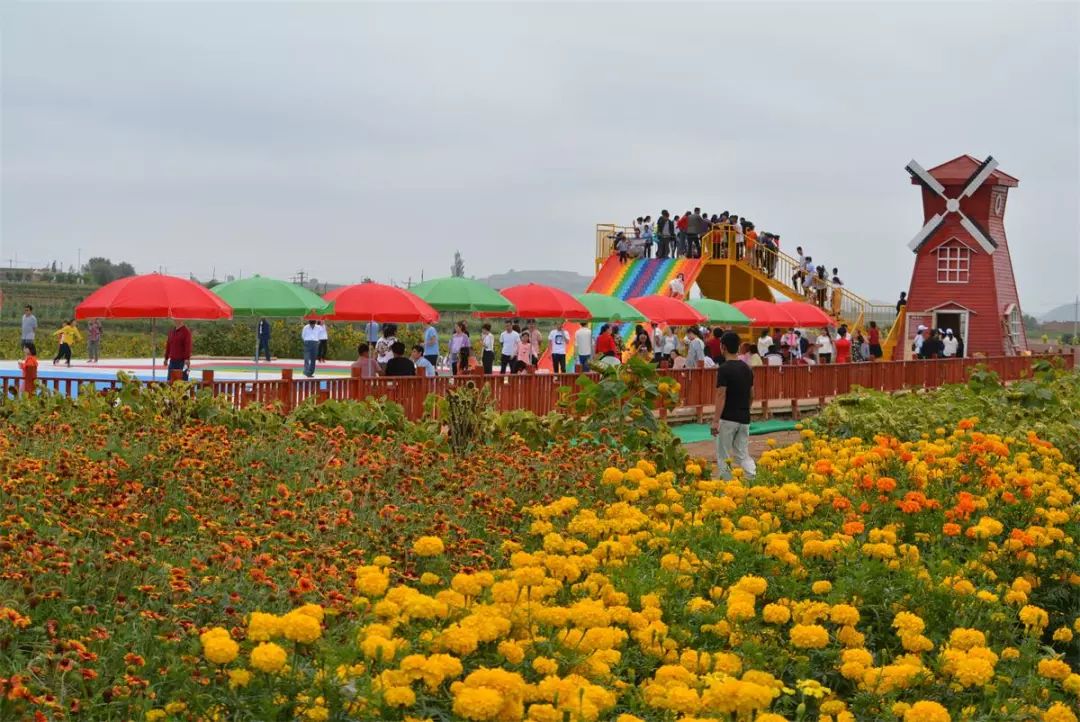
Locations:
(524, 353)
(68, 334)
(29, 367)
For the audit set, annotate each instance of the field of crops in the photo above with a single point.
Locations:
(169, 559)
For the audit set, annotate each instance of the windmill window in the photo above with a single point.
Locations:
(953, 263)
(1016, 324)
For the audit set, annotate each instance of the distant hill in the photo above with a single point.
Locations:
(566, 280)
(1064, 312)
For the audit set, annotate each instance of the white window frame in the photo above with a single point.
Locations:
(1015, 320)
(953, 262)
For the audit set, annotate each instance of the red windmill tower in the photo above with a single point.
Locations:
(963, 277)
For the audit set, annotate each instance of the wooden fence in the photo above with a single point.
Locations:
(773, 386)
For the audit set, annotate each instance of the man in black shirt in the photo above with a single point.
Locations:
(731, 419)
(399, 365)
(933, 347)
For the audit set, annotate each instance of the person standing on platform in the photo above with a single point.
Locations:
(824, 347)
(665, 233)
(67, 334)
(509, 340)
(681, 224)
(731, 418)
(29, 329)
(431, 344)
(93, 341)
(487, 344)
(583, 345)
(459, 348)
(178, 349)
(324, 341)
(558, 340)
(873, 337)
(29, 368)
(263, 332)
(843, 346)
(310, 336)
(524, 357)
(901, 303)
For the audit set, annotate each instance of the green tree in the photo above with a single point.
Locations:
(102, 270)
(457, 268)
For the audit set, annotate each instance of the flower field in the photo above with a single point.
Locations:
(204, 571)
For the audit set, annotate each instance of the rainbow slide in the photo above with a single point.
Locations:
(636, 277)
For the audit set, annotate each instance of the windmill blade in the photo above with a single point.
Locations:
(977, 233)
(979, 176)
(928, 230)
(928, 181)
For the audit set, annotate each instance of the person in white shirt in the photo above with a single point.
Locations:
(310, 336)
(657, 343)
(677, 287)
(510, 338)
(487, 343)
(669, 342)
(557, 342)
(920, 336)
(824, 347)
(951, 344)
(583, 346)
(764, 343)
(384, 349)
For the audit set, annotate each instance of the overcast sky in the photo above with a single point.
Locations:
(355, 140)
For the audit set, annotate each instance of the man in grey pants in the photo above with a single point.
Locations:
(731, 419)
(29, 328)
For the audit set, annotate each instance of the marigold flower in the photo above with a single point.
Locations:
(428, 546)
(268, 657)
(809, 636)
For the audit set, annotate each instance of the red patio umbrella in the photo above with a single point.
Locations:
(665, 309)
(805, 314)
(378, 302)
(765, 314)
(535, 300)
(153, 296)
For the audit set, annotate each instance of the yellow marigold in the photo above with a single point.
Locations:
(399, 697)
(545, 666)
(382, 561)
(372, 581)
(770, 717)
(477, 703)
(844, 614)
(428, 546)
(925, 711)
(1010, 653)
(1054, 669)
(300, 627)
(154, 715)
(263, 627)
(268, 657)
(220, 648)
(907, 623)
(1058, 712)
(775, 614)
(821, 587)
(429, 580)
(511, 651)
(752, 585)
(1033, 617)
(239, 678)
(962, 638)
(612, 476)
(1063, 634)
(809, 636)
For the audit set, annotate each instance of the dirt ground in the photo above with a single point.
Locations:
(707, 449)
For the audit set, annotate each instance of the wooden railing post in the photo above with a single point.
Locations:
(286, 390)
(354, 383)
(207, 381)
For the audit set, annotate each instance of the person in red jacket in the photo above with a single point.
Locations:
(178, 349)
(29, 367)
(842, 344)
(605, 343)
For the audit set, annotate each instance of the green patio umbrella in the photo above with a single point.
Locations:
(259, 296)
(609, 308)
(719, 312)
(461, 294)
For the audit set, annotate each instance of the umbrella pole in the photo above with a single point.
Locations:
(153, 352)
(256, 353)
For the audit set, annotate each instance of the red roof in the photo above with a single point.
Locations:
(962, 167)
